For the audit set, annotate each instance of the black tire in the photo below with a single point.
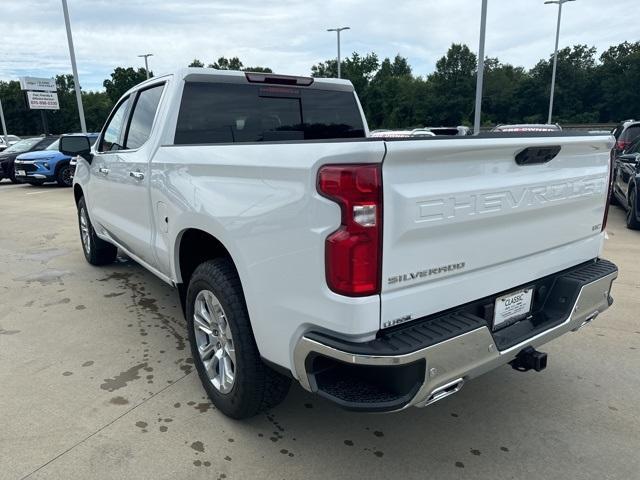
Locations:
(256, 387)
(63, 176)
(12, 175)
(614, 199)
(98, 252)
(632, 218)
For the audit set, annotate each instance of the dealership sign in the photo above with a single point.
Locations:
(41, 84)
(43, 100)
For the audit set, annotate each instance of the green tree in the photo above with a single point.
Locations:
(575, 98)
(388, 101)
(235, 63)
(617, 80)
(452, 87)
(501, 84)
(196, 63)
(122, 79)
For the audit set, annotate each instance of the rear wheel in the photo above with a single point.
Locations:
(223, 346)
(96, 250)
(63, 177)
(632, 212)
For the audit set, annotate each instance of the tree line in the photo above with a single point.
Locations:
(589, 89)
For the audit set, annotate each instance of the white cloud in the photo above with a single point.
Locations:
(289, 35)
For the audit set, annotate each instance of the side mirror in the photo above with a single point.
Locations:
(628, 158)
(73, 145)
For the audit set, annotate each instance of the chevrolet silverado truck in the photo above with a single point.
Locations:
(378, 273)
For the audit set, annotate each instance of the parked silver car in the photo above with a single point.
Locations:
(6, 142)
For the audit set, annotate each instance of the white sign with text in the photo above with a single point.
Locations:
(34, 83)
(43, 100)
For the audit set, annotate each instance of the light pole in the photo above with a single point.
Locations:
(338, 30)
(76, 80)
(555, 53)
(480, 79)
(146, 63)
(4, 126)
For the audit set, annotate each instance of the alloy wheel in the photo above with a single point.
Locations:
(84, 231)
(66, 176)
(214, 341)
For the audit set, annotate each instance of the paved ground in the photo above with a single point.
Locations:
(96, 382)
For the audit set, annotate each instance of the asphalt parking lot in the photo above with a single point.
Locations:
(96, 381)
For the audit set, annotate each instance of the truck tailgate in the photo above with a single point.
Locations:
(463, 220)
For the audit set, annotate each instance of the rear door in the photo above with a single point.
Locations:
(463, 220)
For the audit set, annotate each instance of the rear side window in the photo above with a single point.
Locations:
(631, 133)
(230, 113)
(144, 112)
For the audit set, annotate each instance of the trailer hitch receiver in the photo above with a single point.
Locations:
(529, 359)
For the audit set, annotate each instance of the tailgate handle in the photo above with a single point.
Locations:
(537, 155)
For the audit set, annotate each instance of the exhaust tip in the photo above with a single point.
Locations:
(444, 391)
(587, 321)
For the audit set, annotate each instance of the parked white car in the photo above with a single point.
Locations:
(379, 273)
(7, 141)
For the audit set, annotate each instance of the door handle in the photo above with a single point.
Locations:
(137, 175)
(103, 170)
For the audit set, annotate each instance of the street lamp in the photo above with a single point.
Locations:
(146, 62)
(76, 80)
(338, 30)
(555, 53)
(480, 79)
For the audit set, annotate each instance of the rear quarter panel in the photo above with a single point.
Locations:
(260, 202)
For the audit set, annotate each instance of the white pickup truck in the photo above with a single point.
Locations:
(378, 273)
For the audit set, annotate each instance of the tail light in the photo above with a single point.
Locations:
(353, 253)
(609, 192)
(621, 145)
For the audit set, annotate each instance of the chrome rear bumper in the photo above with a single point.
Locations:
(452, 362)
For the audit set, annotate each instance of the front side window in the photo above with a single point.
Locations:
(113, 132)
(144, 112)
(237, 113)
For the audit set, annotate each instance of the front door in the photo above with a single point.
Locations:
(120, 168)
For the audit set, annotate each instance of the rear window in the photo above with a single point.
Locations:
(230, 113)
(631, 133)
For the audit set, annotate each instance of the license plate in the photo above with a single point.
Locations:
(20, 173)
(512, 307)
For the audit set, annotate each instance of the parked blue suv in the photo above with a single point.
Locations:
(48, 165)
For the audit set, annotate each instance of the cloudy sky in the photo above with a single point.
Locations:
(289, 35)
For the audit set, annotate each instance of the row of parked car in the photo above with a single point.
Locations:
(37, 160)
(626, 170)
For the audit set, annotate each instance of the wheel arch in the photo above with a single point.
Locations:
(194, 246)
(77, 193)
(60, 164)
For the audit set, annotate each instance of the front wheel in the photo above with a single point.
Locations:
(96, 250)
(632, 213)
(223, 347)
(63, 177)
